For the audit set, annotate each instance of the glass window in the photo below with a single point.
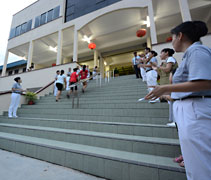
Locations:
(16, 71)
(70, 10)
(56, 12)
(99, 1)
(12, 33)
(37, 21)
(10, 73)
(50, 15)
(70, 3)
(23, 28)
(18, 31)
(29, 25)
(24, 69)
(43, 19)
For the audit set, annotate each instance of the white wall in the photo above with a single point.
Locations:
(36, 78)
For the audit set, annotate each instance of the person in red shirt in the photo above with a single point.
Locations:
(84, 74)
(73, 80)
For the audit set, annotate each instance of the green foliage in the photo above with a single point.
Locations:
(30, 96)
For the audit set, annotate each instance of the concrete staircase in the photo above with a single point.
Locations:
(106, 133)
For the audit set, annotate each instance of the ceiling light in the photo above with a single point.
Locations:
(86, 39)
(54, 49)
(105, 63)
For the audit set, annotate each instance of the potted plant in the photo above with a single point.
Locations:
(31, 97)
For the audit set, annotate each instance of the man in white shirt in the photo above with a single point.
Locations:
(135, 61)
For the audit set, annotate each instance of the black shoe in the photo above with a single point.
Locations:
(82, 90)
(68, 96)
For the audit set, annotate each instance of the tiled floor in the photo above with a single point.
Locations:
(16, 167)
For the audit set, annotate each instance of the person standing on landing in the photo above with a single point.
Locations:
(15, 98)
(191, 91)
(135, 61)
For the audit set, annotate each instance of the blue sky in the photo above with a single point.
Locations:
(8, 8)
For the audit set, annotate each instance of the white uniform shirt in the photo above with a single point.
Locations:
(196, 65)
(135, 60)
(60, 79)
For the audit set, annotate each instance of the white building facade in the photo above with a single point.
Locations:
(50, 32)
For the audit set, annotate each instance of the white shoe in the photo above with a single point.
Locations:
(171, 124)
(9, 116)
(15, 116)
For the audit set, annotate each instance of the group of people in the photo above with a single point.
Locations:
(70, 81)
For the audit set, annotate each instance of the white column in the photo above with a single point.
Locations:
(30, 54)
(102, 67)
(59, 48)
(149, 43)
(185, 10)
(5, 63)
(152, 23)
(95, 58)
(75, 46)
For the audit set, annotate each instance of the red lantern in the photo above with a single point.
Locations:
(92, 46)
(141, 32)
(169, 39)
(54, 64)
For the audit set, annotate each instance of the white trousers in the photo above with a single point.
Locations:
(193, 117)
(15, 100)
(152, 78)
(55, 90)
(143, 74)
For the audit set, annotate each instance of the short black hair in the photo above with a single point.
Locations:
(75, 69)
(193, 30)
(17, 79)
(57, 71)
(169, 51)
(148, 49)
(154, 53)
(62, 72)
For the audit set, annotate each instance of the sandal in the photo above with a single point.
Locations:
(182, 164)
(178, 159)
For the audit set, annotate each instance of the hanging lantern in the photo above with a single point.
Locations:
(54, 64)
(92, 46)
(141, 32)
(169, 39)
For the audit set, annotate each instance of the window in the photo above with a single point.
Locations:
(23, 28)
(43, 19)
(16, 71)
(10, 73)
(24, 69)
(18, 31)
(70, 3)
(70, 10)
(56, 12)
(50, 15)
(99, 1)
(37, 21)
(29, 25)
(12, 33)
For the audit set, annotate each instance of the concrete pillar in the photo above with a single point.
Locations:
(102, 67)
(149, 43)
(185, 10)
(95, 57)
(75, 46)
(152, 23)
(59, 48)
(30, 54)
(5, 63)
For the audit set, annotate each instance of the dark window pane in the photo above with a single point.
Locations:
(16, 71)
(10, 73)
(70, 3)
(43, 19)
(70, 10)
(56, 12)
(29, 26)
(50, 16)
(23, 28)
(12, 33)
(18, 31)
(37, 21)
(69, 18)
(99, 1)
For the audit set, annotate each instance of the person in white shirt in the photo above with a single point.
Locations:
(55, 88)
(135, 61)
(60, 82)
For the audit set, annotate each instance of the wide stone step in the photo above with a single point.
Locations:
(100, 112)
(138, 144)
(125, 119)
(68, 105)
(150, 130)
(106, 163)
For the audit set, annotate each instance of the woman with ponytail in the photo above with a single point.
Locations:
(191, 91)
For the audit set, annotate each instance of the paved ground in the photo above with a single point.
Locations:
(16, 167)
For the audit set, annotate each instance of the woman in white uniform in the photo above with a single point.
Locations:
(15, 97)
(191, 90)
(60, 82)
